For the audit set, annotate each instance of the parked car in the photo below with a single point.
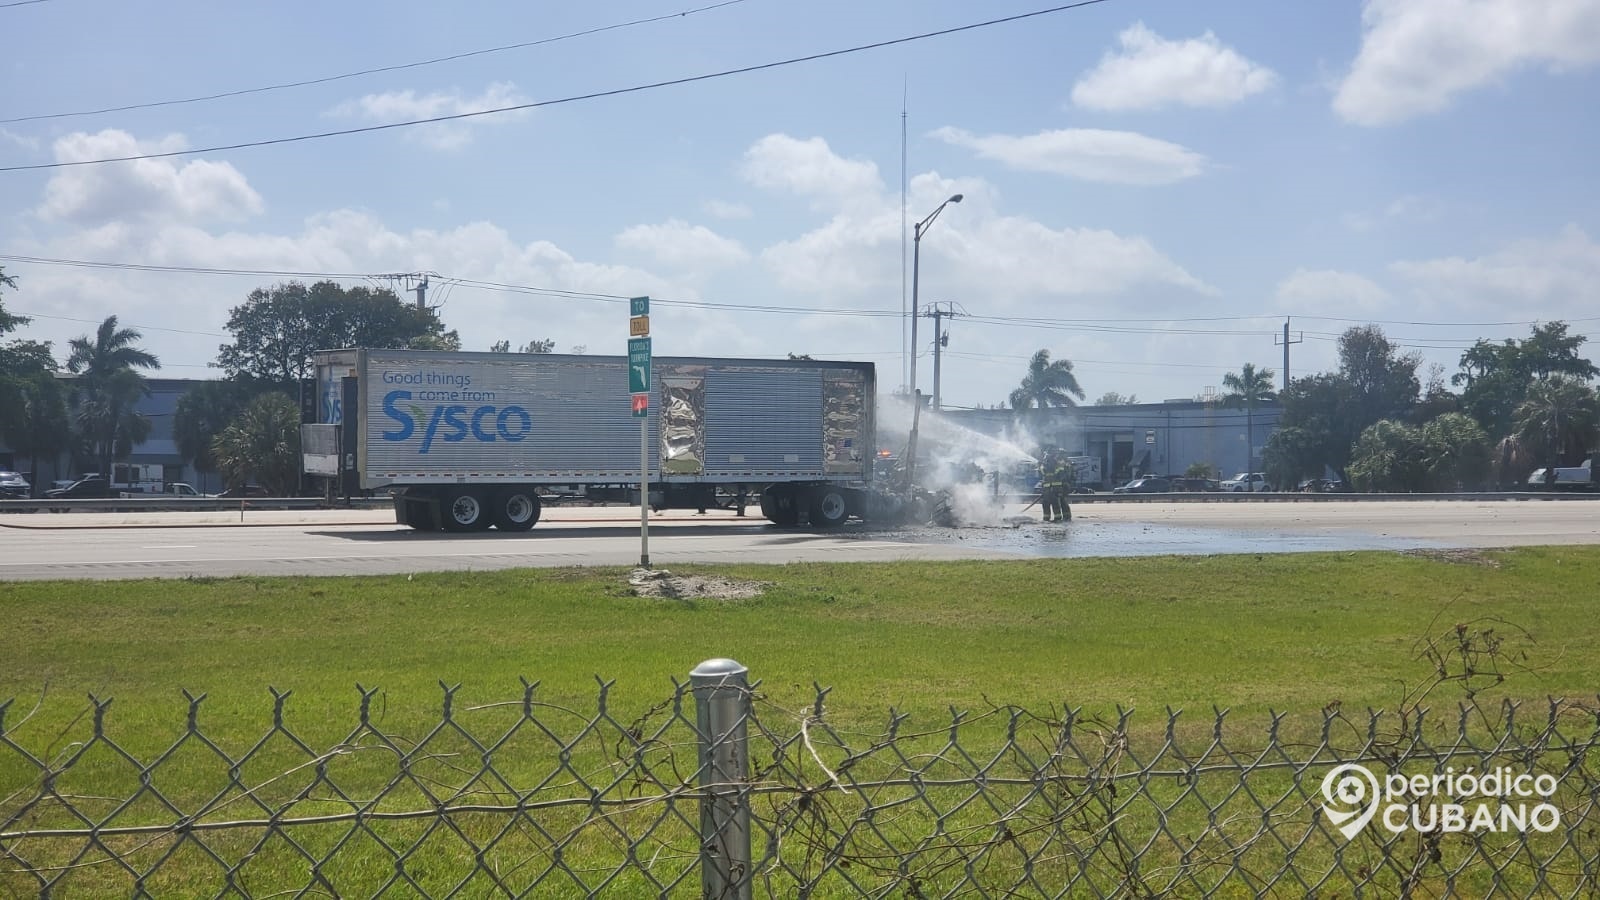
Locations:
(1323, 486)
(94, 487)
(1197, 485)
(14, 487)
(1145, 484)
(1247, 482)
(249, 490)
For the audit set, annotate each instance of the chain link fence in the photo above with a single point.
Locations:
(718, 791)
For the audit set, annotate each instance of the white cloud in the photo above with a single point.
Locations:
(722, 209)
(1555, 276)
(1416, 56)
(1322, 291)
(992, 260)
(1120, 157)
(809, 168)
(142, 190)
(1152, 72)
(25, 141)
(679, 245)
(406, 106)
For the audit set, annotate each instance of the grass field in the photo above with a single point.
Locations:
(1290, 633)
(1293, 634)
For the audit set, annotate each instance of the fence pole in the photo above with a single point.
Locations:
(722, 708)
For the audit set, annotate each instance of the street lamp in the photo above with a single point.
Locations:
(916, 256)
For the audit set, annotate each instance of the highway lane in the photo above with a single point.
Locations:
(354, 542)
(365, 542)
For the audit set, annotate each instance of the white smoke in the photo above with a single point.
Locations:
(960, 461)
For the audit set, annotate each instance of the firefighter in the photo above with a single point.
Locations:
(1057, 478)
(1067, 478)
(1051, 485)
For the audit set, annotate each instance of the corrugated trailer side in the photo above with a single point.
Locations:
(485, 431)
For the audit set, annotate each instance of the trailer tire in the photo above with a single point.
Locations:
(830, 506)
(778, 504)
(463, 511)
(516, 509)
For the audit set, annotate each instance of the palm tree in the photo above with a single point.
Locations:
(1250, 388)
(41, 426)
(108, 387)
(1560, 417)
(262, 445)
(1047, 384)
(202, 414)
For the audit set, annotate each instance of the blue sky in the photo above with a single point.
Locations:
(1150, 186)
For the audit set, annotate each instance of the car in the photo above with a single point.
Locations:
(1197, 485)
(1145, 484)
(14, 487)
(1322, 486)
(1247, 482)
(92, 487)
(244, 492)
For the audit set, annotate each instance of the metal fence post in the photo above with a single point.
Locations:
(722, 707)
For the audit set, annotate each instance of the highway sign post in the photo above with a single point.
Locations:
(639, 387)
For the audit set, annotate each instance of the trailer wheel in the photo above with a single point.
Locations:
(464, 511)
(829, 507)
(516, 509)
(778, 504)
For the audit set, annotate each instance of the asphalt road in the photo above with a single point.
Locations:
(356, 542)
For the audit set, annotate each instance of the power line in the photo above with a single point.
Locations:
(377, 71)
(1101, 326)
(595, 95)
(19, 3)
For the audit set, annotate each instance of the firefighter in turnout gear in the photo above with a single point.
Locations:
(1055, 483)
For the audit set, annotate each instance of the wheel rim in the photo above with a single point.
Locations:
(465, 509)
(832, 506)
(519, 509)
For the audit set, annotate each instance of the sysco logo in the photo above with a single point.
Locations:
(455, 423)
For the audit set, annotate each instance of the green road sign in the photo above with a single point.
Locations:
(639, 365)
(639, 306)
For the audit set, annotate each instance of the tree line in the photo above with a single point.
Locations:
(1521, 404)
(244, 426)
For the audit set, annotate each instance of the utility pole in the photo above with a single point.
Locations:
(1286, 342)
(422, 293)
(941, 339)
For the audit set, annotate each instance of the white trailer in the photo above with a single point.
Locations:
(469, 440)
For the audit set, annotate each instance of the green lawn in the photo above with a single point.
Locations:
(1294, 634)
(1289, 633)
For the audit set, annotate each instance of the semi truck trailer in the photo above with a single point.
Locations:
(467, 441)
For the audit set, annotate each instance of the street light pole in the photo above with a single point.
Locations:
(916, 258)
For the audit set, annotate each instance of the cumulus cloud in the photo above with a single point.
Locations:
(1416, 57)
(679, 245)
(1554, 275)
(1151, 72)
(1010, 261)
(142, 190)
(405, 106)
(809, 168)
(1318, 291)
(1119, 157)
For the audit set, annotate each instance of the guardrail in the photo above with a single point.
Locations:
(212, 504)
(156, 503)
(1296, 497)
